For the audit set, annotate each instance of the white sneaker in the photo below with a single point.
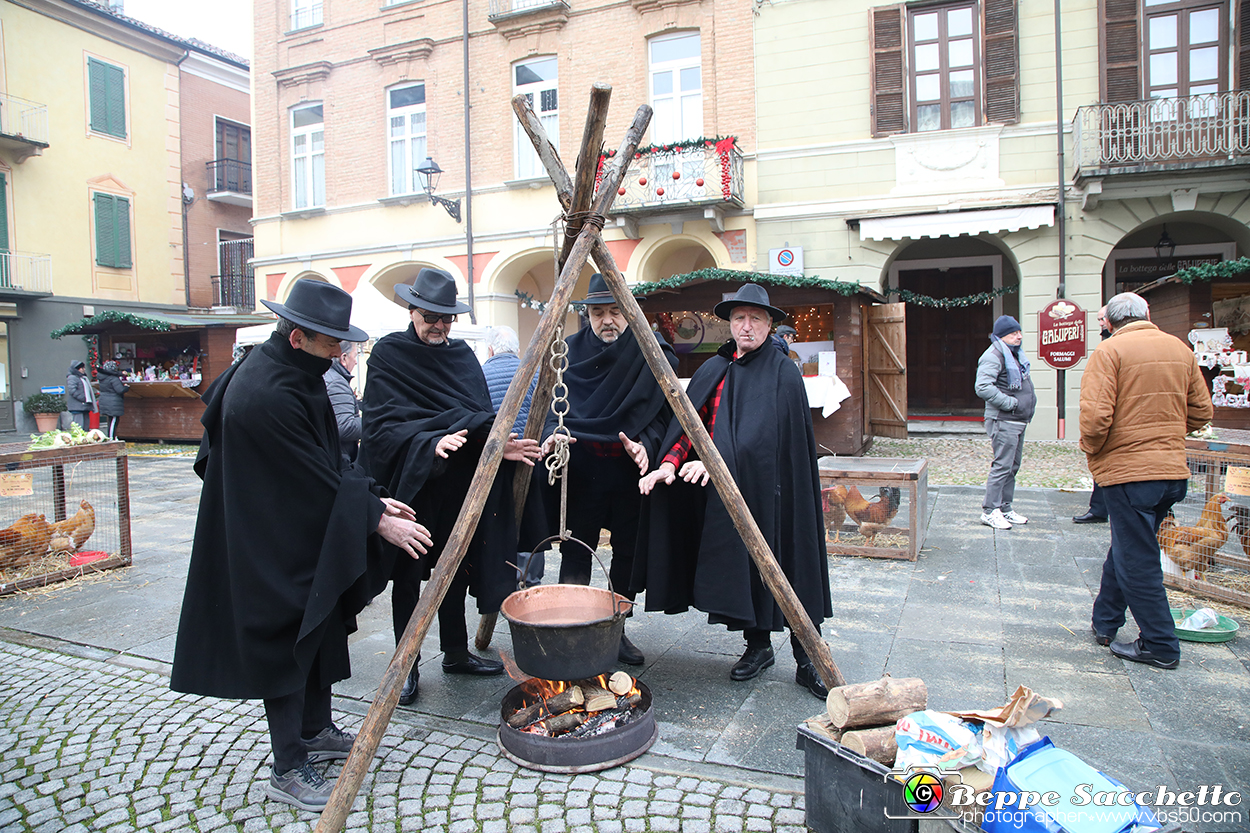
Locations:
(995, 519)
(1015, 517)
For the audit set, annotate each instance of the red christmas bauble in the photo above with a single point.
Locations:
(642, 180)
(659, 191)
(620, 191)
(699, 182)
(676, 174)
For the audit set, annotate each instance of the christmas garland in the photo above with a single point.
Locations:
(841, 287)
(112, 316)
(721, 144)
(1210, 271)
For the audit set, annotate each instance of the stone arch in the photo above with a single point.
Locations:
(531, 271)
(284, 287)
(677, 254)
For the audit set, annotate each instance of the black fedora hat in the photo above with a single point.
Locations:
(599, 292)
(320, 307)
(433, 290)
(748, 295)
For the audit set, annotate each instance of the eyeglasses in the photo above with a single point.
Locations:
(434, 318)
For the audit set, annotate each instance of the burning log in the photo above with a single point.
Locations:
(620, 683)
(557, 724)
(556, 704)
(597, 698)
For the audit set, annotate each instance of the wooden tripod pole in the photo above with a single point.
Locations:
(684, 410)
(575, 206)
(374, 726)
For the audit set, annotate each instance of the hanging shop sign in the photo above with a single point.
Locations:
(1061, 334)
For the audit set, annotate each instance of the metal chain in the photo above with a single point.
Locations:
(558, 460)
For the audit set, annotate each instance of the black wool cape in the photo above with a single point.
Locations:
(416, 394)
(284, 555)
(690, 553)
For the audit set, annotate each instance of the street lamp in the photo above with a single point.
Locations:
(1165, 248)
(430, 172)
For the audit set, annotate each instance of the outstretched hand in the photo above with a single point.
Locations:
(695, 471)
(409, 536)
(521, 450)
(397, 509)
(665, 474)
(451, 442)
(637, 452)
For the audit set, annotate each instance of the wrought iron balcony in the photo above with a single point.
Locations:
(23, 126)
(1199, 131)
(25, 272)
(682, 178)
(302, 18)
(230, 181)
(503, 8)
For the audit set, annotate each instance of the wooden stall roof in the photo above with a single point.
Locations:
(161, 321)
(793, 290)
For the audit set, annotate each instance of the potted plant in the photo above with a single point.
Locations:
(45, 408)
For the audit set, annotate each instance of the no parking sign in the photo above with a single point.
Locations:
(786, 261)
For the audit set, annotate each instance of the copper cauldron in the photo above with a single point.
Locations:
(565, 631)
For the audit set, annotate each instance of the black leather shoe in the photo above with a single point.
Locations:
(1101, 638)
(1090, 518)
(629, 653)
(809, 678)
(752, 663)
(1134, 652)
(473, 664)
(408, 694)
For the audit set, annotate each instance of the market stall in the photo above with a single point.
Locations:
(831, 319)
(169, 360)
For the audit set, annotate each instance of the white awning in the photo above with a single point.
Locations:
(956, 223)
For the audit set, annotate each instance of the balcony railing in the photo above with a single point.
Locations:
(236, 286)
(25, 272)
(682, 178)
(1163, 131)
(23, 125)
(302, 18)
(502, 8)
(229, 175)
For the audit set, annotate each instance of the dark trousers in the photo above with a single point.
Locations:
(83, 418)
(108, 424)
(301, 714)
(1132, 576)
(1098, 502)
(603, 494)
(453, 633)
(757, 638)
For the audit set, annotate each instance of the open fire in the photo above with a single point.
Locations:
(580, 709)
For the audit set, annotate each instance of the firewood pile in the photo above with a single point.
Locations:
(861, 716)
(579, 709)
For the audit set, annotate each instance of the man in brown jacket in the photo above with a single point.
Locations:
(1141, 393)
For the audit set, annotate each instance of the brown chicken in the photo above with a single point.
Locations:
(70, 534)
(834, 499)
(24, 541)
(1240, 520)
(873, 516)
(1193, 547)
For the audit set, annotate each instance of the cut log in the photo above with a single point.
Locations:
(876, 703)
(877, 743)
(597, 698)
(556, 724)
(556, 704)
(620, 683)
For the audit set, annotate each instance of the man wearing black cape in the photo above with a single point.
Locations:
(285, 553)
(427, 413)
(754, 405)
(617, 416)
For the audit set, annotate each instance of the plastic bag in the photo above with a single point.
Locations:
(1000, 744)
(931, 738)
(1202, 618)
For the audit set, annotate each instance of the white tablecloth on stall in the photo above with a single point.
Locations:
(826, 392)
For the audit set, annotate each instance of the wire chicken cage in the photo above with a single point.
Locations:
(63, 512)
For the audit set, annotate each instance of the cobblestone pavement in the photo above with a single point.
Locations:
(963, 460)
(93, 741)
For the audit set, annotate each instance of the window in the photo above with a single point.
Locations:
(112, 231)
(308, 163)
(6, 277)
(1185, 51)
(936, 67)
(305, 13)
(537, 80)
(676, 77)
(942, 53)
(405, 110)
(107, 93)
(233, 168)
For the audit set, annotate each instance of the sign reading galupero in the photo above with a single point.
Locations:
(1061, 334)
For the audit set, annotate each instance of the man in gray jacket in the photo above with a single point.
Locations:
(343, 399)
(1004, 382)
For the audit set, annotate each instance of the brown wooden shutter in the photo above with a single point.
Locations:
(1121, 49)
(1002, 62)
(1243, 45)
(889, 100)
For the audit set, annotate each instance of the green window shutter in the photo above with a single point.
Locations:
(107, 92)
(4, 215)
(121, 217)
(105, 234)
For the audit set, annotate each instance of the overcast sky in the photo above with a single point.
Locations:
(223, 23)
